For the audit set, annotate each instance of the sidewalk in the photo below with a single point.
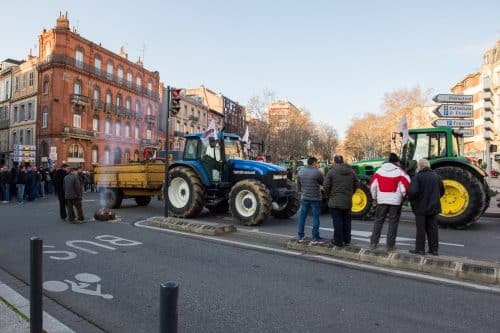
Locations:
(11, 321)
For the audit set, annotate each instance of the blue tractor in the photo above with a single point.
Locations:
(214, 173)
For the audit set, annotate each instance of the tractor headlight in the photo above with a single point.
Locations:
(279, 177)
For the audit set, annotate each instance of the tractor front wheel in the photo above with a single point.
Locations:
(185, 192)
(361, 202)
(250, 202)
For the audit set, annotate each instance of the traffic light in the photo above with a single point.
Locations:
(175, 101)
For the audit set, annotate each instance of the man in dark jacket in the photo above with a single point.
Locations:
(309, 183)
(340, 184)
(72, 193)
(5, 184)
(425, 191)
(21, 184)
(59, 175)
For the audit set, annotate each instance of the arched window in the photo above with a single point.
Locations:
(95, 155)
(109, 70)
(107, 127)
(79, 58)
(77, 87)
(97, 95)
(127, 156)
(107, 155)
(136, 132)
(75, 151)
(45, 117)
(150, 87)
(129, 78)
(95, 124)
(119, 101)
(138, 83)
(127, 130)
(46, 85)
(128, 104)
(137, 108)
(44, 149)
(97, 64)
(120, 74)
(148, 111)
(118, 128)
(108, 97)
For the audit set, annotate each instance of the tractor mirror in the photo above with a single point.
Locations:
(212, 142)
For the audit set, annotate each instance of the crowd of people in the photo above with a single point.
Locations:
(390, 188)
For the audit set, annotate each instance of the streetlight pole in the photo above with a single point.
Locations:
(167, 162)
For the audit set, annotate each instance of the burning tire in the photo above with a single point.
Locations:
(112, 198)
(250, 202)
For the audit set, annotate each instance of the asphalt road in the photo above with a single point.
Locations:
(224, 288)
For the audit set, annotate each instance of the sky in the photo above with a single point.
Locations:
(335, 58)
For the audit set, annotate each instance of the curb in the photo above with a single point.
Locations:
(457, 268)
(197, 227)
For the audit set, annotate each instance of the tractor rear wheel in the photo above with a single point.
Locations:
(250, 202)
(185, 192)
(287, 206)
(463, 199)
(361, 202)
(143, 200)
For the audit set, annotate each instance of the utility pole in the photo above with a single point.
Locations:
(167, 162)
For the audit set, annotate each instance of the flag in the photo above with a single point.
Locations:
(403, 129)
(154, 155)
(246, 141)
(210, 132)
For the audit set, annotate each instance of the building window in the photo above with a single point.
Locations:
(107, 127)
(137, 132)
(24, 81)
(109, 70)
(79, 58)
(48, 51)
(97, 94)
(46, 86)
(29, 139)
(120, 74)
(128, 104)
(106, 156)
(138, 82)
(129, 79)
(108, 97)
(30, 111)
(95, 124)
(127, 130)
(77, 87)
(148, 134)
(127, 156)
(44, 149)
(97, 65)
(148, 110)
(119, 101)
(137, 108)
(118, 128)
(16, 114)
(45, 118)
(150, 87)
(77, 121)
(21, 137)
(16, 83)
(95, 154)
(32, 79)
(75, 151)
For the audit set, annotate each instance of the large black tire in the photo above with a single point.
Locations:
(288, 206)
(143, 200)
(221, 208)
(460, 209)
(362, 203)
(250, 202)
(112, 198)
(185, 192)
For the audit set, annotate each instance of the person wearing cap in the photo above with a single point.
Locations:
(59, 175)
(388, 188)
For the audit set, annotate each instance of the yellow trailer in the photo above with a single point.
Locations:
(140, 181)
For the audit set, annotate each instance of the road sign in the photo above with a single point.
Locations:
(454, 110)
(453, 122)
(24, 147)
(450, 98)
(465, 132)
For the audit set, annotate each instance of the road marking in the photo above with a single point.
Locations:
(85, 280)
(17, 301)
(326, 259)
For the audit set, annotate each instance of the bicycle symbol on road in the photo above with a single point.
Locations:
(84, 280)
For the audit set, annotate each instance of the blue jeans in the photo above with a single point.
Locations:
(316, 211)
(6, 192)
(20, 193)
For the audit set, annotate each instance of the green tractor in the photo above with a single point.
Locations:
(467, 195)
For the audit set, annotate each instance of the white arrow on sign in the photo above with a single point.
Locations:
(454, 110)
(465, 132)
(453, 123)
(450, 98)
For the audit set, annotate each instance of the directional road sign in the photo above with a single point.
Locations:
(24, 147)
(453, 122)
(450, 98)
(454, 110)
(465, 132)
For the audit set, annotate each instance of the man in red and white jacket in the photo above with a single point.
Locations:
(388, 188)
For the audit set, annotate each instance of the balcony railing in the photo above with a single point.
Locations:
(150, 118)
(150, 143)
(120, 111)
(78, 133)
(97, 105)
(109, 108)
(59, 59)
(79, 99)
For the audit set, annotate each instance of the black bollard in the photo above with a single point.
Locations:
(169, 292)
(36, 306)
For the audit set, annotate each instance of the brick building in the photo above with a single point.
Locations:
(94, 106)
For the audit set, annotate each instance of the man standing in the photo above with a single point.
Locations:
(72, 193)
(21, 184)
(5, 184)
(388, 188)
(424, 194)
(59, 175)
(340, 184)
(309, 182)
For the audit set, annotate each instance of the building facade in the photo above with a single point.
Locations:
(94, 106)
(279, 114)
(23, 106)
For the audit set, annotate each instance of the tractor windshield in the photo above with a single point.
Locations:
(233, 150)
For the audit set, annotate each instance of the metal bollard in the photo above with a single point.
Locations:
(169, 292)
(36, 306)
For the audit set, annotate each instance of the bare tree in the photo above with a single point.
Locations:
(324, 141)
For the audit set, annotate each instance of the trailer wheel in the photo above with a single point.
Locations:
(185, 192)
(112, 198)
(286, 207)
(463, 199)
(250, 202)
(143, 200)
